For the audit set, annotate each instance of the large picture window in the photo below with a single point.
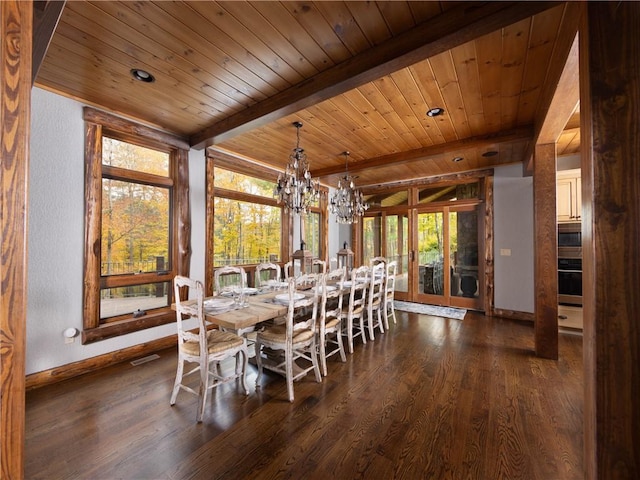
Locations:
(247, 226)
(135, 199)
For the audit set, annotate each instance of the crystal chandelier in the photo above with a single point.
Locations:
(347, 203)
(295, 188)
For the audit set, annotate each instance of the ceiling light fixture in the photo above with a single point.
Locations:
(434, 112)
(347, 203)
(142, 75)
(295, 188)
(457, 159)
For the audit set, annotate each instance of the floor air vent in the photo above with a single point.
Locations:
(146, 359)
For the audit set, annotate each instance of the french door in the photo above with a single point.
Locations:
(439, 250)
(447, 256)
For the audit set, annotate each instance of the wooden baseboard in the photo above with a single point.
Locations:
(513, 315)
(64, 372)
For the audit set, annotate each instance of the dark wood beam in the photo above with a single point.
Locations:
(458, 25)
(46, 14)
(507, 136)
(610, 145)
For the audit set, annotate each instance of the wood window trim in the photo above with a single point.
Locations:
(96, 124)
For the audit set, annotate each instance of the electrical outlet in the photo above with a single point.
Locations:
(505, 252)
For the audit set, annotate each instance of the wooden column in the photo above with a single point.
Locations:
(16, 27)
(610, 144)
(546, 251)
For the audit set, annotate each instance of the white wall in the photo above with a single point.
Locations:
(56, 236)
(513, 230)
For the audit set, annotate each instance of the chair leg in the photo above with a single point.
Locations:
(386, 316)
(258, 363)
(363, 332)
(178, 382)
(204, 388)
(343, 357)
(323, 354)
(316, 366)
(380, 324)
(245, 363)
(370, 325)
(289, 372)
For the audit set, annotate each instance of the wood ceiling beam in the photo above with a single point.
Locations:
(458, 25)
(481, 141)
(46, 15)
(561, 94)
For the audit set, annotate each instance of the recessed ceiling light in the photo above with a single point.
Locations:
(490, 153)
(142, 75)
(434, 112)
(457, 159)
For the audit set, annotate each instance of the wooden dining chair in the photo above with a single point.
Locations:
(389, 293)
(296, 338)
(206, 348)
(353, 314)
(266, 272)
(330, 319)
(228, 279)
(375, 298)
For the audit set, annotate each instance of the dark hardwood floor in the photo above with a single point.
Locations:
(432, 398)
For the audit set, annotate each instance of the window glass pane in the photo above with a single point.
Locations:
(135, 227)
(245, 233)
(448, 193)
(125, 300)
(312, 233)
(430, 252)
(388, 199)
(133, 157)
(242, 183)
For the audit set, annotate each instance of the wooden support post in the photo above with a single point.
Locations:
(610, 146)
(546, 252)
(16, 28)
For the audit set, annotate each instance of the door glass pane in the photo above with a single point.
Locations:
(463, 248)
(397, 237)
(431, 253)
(371, 238)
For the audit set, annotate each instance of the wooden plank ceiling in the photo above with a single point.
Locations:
(360, 76)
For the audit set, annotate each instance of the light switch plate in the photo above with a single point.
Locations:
(505, 252)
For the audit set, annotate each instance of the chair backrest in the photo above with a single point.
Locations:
(332, 290)
(359, 285)
(376, 260)
(288, 270)
(266, 272)
(319, 266)
(333, 263)
(191, 309)
(390, 283)
(229, 278)
(298, 315)
(376, 283)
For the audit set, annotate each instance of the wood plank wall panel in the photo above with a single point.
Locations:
(16, 30)
(546, 252)
(610, 108)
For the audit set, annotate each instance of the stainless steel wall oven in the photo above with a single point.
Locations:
(570, 263)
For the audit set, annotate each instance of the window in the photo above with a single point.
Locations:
(135, 193)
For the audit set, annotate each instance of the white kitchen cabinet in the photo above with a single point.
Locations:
(568, 196)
